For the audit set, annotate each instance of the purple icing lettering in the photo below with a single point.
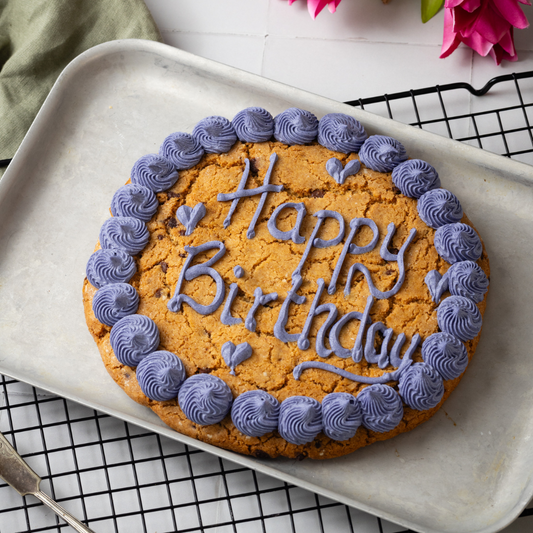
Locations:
(250, 323)
(303, 342)
(320, 243)
(320, 347)
(189, 273)
(357, 351)
(355, 224)
(294, 233)
(395, 359)
(370, 351)
(241, 192)
(385, 378)
(279, 327)
(387, 256)
(226, 317)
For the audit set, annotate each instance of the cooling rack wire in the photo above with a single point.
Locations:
(117, 477)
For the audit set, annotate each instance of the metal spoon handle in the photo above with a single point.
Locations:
(66, 516)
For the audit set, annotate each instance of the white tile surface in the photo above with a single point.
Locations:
(361, 20)
(241, 51)
(358, 69)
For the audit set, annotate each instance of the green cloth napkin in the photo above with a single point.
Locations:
(38, 38)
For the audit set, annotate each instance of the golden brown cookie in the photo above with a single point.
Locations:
(269, 263)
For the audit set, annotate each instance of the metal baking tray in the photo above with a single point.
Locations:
(467, 470)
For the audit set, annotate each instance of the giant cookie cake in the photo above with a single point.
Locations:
(286, 286)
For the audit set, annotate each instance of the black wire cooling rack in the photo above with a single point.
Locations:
(117, 477)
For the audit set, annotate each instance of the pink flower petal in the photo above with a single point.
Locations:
(490, 24)
(478, 43)
(316, 6)
(471, 5)
(499, 54)
(507, 43)
(464, 22)
(511, 11)
(332, 6)
(525, 2)
(450, 39)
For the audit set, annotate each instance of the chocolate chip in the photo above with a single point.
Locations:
(158, 293)
(389, 272)
(171, 194)
(301, 456)
(171, 222)
(318, 444)
(204, 370)
(182, 254)
(260, 454)
(183, 232)
(164, 266)
(160, 237)
(253, 167)
(394, 251)
(395, 190)
(318, 193)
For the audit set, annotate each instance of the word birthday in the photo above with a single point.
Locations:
(364, 345)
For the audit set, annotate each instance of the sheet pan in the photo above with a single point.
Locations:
(467, 470)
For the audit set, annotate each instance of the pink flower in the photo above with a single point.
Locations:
(316, 6)
(486, 26)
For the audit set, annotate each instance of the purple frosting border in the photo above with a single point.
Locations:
(230, 126)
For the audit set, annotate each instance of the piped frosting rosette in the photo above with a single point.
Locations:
(341, 415)
(446, 354)
(215, 134)
(415, 177)
(205, 399)
(253, 125)
(341, 133)
(421, 386)
(125, 233)
(467, 279)
(135, 201)
(255, 413)
(460, 317)
(295, 126)
(438, 207)
(381, 153)
(115, 301)
(160, 375)
(182, 150)
(133, 338)
(109, 266)
(300, 419)
(381, 408)
(458, 242)
(154, 172)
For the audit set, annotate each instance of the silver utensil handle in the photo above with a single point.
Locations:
(66, 516)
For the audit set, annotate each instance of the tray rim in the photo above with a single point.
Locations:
(521, 173)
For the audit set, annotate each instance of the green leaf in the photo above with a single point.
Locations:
(430, 8)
